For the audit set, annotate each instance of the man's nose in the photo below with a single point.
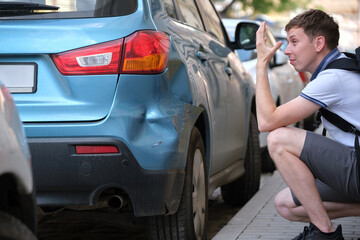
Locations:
(287, 50)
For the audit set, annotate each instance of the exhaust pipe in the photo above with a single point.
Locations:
(116, 202)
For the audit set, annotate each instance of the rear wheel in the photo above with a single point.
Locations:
(12, 228)
(241, 190)
(189, 222)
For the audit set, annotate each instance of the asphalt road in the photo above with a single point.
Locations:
(72, 229)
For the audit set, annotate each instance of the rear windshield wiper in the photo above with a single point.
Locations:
(13, 6)
(11, 9)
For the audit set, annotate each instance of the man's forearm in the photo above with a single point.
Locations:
(265, 104)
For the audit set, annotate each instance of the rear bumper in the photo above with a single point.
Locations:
(64, 178)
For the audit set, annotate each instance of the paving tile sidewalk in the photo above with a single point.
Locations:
(258, 219)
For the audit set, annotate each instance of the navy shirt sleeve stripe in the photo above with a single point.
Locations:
(321, 104)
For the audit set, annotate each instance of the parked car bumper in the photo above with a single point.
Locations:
(65, 178)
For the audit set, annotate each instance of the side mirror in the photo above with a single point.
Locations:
(245, 35)
(279, 59)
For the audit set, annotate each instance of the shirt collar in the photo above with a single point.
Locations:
(331, 56)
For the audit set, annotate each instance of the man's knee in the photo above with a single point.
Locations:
(276, 138)
(284, 204)
(284, 140)
(281, 201)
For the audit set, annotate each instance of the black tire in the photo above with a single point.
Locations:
(267, 164)
(13, 229)
(241, 190)
(190, 220)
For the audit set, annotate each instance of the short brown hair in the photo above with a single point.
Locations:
(317, 23)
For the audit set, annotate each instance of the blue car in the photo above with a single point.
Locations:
(133, 106)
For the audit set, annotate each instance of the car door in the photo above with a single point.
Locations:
(211, 70)
(224, 66)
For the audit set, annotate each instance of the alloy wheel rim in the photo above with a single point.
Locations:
(198, 194)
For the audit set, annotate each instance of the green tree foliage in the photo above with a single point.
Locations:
(263, 6)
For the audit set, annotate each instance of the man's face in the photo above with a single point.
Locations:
(301, 50)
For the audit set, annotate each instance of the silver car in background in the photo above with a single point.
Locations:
(17, 195)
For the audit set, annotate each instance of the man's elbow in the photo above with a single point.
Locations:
(263, 127)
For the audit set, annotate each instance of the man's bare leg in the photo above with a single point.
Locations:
(286, 207)
(285, 146)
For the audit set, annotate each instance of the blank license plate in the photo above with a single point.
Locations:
(19, 78)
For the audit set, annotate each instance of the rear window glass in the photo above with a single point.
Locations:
(52, 9)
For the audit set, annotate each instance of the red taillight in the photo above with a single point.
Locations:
(93, 60)
(96, 149)
(144, 52)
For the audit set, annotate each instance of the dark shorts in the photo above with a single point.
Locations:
(334, 167)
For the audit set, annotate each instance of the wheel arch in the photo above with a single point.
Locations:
(203, 125)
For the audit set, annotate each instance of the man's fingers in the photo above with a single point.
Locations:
(278, 45)
(265, 53)
(260, 34)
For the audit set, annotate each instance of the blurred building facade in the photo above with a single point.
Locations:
(347, 14)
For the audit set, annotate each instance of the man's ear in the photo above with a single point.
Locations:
(319, 43)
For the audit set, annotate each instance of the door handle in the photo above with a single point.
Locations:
(202, 56)
(228, 71)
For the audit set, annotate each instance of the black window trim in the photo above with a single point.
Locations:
(177, 11)
(227, 40)
(182, 19)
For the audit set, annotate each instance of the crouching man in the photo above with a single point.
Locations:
(322, 174)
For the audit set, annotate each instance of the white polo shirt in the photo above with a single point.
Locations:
(339, 92)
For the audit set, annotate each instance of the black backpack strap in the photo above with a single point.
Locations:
(349, 64)
(344, 126)
(338, 121)
(357, 55)
(318, 122)
(352, 63)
